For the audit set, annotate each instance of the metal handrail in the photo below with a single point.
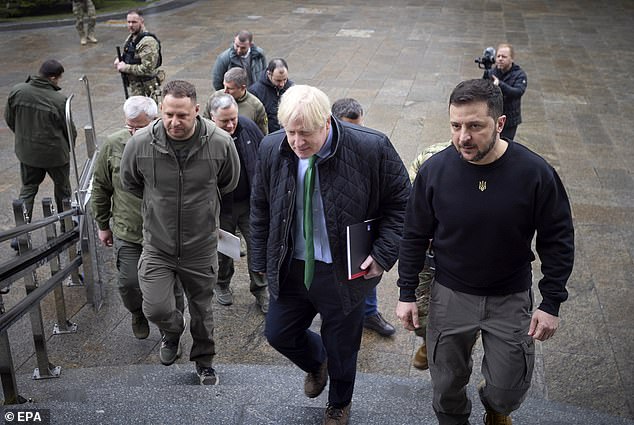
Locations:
(84, 79)
(16, 268)
(71, 142)
(22, 307)
(29, 227)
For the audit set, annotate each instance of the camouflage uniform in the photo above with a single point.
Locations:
(426, 276)
(84, 9)
(145, 78)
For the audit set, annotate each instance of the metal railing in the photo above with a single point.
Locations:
(77, 239)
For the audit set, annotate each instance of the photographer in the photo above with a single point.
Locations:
(512, 81)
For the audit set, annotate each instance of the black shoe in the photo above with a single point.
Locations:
(14, 244)
(377, 323)
(207, 375)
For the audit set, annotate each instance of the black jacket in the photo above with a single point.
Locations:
(513, 85)
(270, 96)
(363, 178)
(247, 138)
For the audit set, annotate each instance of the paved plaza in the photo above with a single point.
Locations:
(400, 59)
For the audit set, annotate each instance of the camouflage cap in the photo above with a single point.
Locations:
(424, 156)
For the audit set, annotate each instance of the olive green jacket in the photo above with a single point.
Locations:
(36, 113)
(249, 106)
(181, 203)
(108, 199)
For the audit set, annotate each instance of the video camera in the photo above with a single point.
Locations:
(486, 61)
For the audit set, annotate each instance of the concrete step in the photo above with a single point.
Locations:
(250, 395)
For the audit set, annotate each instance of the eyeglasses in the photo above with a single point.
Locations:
(132, 129)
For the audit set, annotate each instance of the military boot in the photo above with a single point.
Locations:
(494, 418)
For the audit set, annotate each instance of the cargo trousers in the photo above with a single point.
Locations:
(159, 273)
(127, 256)
(455, 319)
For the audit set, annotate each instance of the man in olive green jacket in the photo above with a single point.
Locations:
(180, 165)
(35, 112)
(248, 105)
(110, 202)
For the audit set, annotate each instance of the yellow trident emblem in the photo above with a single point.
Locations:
(482, 185)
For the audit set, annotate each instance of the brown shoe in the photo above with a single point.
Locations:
(315, 382)
(336, 415)
(495, 418)
(491, 417)
(420, 358)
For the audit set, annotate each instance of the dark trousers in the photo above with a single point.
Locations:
(32, 177)
(289, 319)
(455, 319)
(238, 218)
(127, 255)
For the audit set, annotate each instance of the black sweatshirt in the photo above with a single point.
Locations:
(482, 219)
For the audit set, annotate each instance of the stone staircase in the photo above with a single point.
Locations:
(249, 395)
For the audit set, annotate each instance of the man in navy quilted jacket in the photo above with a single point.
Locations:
(299, 236)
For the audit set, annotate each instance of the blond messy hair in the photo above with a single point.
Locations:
(305, 104)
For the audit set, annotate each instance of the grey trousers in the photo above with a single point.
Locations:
(159, 274)
(239, 218)
(455, 319)
(127, 256)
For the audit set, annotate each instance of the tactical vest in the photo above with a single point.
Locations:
(129, 50)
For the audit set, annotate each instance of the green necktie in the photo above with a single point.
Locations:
(309, 185)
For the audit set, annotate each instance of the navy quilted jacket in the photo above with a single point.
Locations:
(363, 178)
(513, 85)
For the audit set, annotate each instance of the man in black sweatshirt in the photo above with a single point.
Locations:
(482, 200)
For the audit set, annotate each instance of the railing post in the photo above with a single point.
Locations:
(90, 262)
(7, 370)
(91, 141)
(75, 278)
(45, 369)
(63, 325)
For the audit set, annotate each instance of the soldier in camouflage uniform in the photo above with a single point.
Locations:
(85, 9)
(427, 274)
(141, 59)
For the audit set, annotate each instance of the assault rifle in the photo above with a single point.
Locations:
(124, 78)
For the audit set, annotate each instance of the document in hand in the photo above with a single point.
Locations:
(360, 238)
(228, 244)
